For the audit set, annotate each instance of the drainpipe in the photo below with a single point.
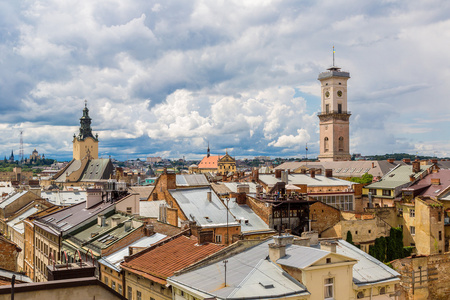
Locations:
(371, 292)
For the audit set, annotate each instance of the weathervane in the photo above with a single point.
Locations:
(333, 55)
(85, 103)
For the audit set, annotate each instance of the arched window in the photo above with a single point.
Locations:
(325, 144)
(360, 295)
(341, 143)
(382, 291)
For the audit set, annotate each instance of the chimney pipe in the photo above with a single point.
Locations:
(329, 173)
(412, 178)
(328, 246)
(278, 173)
(373, 165)
(312, 173)
(416, 166)
(101, 220)
(208, 196)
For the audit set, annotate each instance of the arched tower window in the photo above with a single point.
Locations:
(325, 144)
(341, 143)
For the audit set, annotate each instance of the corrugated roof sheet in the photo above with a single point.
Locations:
(196, 207)
(164, 260)
(191, 180)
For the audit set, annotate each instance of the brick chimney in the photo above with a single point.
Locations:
(406, 160)
(412, 178)
(312, 172)
(390, 160)
(373, 165)
(278, 173)
(255, 175)
(416, 166)
(149, 230)
(328, 172)
(435, 181)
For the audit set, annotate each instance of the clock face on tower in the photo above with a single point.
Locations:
(327, 94)
(339, 93)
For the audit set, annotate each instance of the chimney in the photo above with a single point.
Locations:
(416, 167)
(127, 226)
(284, 177)
(243, 188)
(224, 177)
(312, 172)
(259, 190)
(373, 165)
(289, 171)
(328, 172)
(149, 230)
(255, 175)
(208, 196)
(278, 248)
(435, 181)
(390, 160)
(302, 171)
(93, 197)
(406, 160)
(412, 178)
(329, 246)
(101, 220)
(115, 221)
(434, 160)
(278, 173)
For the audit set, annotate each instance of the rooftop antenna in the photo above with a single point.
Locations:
(21, 147)
(225, 265)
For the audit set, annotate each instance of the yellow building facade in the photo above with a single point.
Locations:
(85, 144)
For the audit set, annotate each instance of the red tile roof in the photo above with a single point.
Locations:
(209, 162)
(164, 260)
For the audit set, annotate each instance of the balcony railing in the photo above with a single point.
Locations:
(335, 112)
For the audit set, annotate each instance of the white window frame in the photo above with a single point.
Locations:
(412, 213)
(412, 229)
(218, 239)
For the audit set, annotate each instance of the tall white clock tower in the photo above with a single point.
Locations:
(334, 117)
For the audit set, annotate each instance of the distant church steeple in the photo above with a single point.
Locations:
(85, 144)
(85, 125)
(208, 153)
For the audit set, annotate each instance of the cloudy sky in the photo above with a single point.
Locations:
(164, 78)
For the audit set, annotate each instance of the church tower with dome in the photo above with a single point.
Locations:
(85, 144)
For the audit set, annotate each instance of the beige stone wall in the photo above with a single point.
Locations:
(147, 288)
(81, 148)
(323, 216)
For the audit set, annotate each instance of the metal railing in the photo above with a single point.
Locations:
(334, 112)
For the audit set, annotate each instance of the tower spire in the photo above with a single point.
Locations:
(333, 56)
(208, 153)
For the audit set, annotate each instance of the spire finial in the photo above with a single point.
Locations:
(85, 103)
(333, 56)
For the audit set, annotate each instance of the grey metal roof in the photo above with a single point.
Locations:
(114, 259)
(301, 257)
(397, 177)
(368, 269)
(245, 271)
(191, 180)
(319, 180)
(247, 217)
(68, 218)
(97, 169)
(196, 207)
(150, 209)
(11, 199)
(64, 197)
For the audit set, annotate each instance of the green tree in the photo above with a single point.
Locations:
(349, 238)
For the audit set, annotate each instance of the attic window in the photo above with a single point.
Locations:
(267, 285)
(328, 260)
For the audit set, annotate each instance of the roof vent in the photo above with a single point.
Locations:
(267, 285)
